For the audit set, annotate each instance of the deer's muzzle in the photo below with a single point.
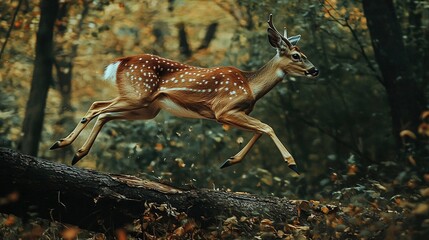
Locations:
(312, 72)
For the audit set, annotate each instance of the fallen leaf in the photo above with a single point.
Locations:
(230, 221)
(424, 192)
(407, 133)
(180, 162)
(121, 234)
(10, 220)
(352, 169)
(325, 209)
(179, 231)
(379, 186)
(159, 147)
(70, 233)
(189, 226)
(421, 209)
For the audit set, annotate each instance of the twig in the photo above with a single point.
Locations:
(362, 51)
(345, 23)
(10, 28)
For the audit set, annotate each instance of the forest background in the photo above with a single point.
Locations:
(359, 132)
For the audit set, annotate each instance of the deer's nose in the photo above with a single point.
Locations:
(313, 72)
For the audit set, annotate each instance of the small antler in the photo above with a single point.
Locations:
(285, 33)
(271, 25)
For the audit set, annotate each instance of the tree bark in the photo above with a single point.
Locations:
(103, 202)
(42, 78)
(405, 98)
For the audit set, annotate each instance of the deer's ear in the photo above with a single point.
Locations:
(294, 39)
(275, 39)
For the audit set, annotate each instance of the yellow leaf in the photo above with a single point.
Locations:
(324, 209)
(179, 231)
(407, 133)
(231, 221)
(70, 233)
(266, 222)
(180, 162)
(421, 209)
(424, 192)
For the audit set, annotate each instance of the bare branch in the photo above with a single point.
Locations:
(343, 21)
(10, 28)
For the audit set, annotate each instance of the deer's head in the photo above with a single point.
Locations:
(291, 60)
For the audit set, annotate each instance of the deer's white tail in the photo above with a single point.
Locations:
(110, 71)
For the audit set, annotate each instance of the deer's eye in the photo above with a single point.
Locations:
(296, 57)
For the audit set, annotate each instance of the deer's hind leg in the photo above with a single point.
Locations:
(95, 107)
(119, 104)
(141, 114)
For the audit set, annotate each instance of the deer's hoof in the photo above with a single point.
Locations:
(76, 159)
(294, 168)
(55, 146)
(227, 163)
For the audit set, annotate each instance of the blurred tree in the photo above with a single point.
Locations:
(64, 57)
(405, 98)
(10, 28)
(184, 47)
(210, 34)
(42, 78)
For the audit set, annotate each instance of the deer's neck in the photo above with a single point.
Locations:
(264, 79)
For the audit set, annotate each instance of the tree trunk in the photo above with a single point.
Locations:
(42, 78)
(210, 34)
(104, 202)
(405, 98)
(184, 47)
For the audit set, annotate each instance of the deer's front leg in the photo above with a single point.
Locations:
(240, 155)
(241, 120)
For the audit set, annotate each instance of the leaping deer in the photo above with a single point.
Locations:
(149, 83)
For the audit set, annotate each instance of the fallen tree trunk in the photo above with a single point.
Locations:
(104, 202)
